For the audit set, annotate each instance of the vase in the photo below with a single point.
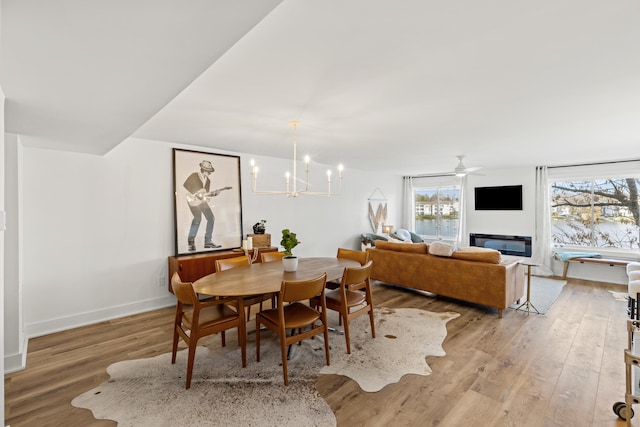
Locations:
(290, 263)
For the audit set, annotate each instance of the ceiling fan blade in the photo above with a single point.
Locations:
(473, 169)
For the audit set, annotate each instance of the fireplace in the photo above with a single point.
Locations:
(507, 245)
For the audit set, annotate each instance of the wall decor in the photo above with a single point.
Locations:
(377, 216)
(207, 201)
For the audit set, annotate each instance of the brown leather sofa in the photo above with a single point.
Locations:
(476, 275)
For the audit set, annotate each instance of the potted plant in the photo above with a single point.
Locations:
(260, 227)
(288, 242)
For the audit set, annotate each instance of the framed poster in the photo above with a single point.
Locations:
(207, 200)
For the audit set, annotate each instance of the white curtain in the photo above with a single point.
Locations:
(542, 241)
(462, 238)
(408, 205)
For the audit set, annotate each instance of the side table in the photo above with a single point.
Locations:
(527, 305)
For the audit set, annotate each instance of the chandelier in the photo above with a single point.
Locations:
(292, 189)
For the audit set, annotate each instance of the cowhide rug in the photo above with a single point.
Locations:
(150, 392)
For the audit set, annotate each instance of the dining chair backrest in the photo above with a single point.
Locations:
(355, 276)
(183, 290)
(271, 256)
(360, 256)
(229, 263)
(299, 290)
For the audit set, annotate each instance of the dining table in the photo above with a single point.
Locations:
(266, 277)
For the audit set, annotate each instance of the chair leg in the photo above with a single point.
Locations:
(174, 348)
(347, 335)
(326, 344)
(283, 350)
(190, 361)
(224, 338)
(257, 338)
(242, 342)
(373, 326)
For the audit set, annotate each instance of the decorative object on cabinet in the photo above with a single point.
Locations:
(260, 227)
(288, 242)
(260, 240)
(206, 194)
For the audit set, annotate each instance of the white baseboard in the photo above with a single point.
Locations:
(50, 326)
(17, 361)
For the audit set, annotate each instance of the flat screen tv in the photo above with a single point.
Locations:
(503, 198)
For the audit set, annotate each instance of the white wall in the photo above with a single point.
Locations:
(522, 223)
(2, 234)
(518, 223)
(98, 230)
(14, 339)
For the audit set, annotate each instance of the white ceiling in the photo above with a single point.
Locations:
(377, 85)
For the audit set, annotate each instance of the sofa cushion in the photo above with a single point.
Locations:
(440, 248)
(415, 248)
(473, 253)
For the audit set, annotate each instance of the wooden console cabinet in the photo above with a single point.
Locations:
(192, 267)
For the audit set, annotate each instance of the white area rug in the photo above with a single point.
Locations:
(404, 337)
(544, 292)
(150, 392)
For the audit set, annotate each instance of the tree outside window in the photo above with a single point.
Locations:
(596, 213)
(437, 212)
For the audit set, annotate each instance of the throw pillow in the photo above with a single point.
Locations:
(403, 234)
(440, 248)
(473, 253)
(416, 238)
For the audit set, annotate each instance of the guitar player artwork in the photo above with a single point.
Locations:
(207, 186)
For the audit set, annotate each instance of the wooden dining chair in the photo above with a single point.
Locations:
(242, 261)
(196, 319)
(296, 316)
(360, 256)
(349, 296)
(228, 263)
(271, 256)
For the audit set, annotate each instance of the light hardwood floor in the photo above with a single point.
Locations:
(564, 368)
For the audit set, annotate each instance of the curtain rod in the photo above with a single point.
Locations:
(593, 164)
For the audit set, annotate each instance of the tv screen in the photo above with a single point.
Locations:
(504, 198)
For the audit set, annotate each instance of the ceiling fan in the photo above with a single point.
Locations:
(462, 170)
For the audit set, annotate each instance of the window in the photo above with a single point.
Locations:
(437, 211)
(599, 212)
